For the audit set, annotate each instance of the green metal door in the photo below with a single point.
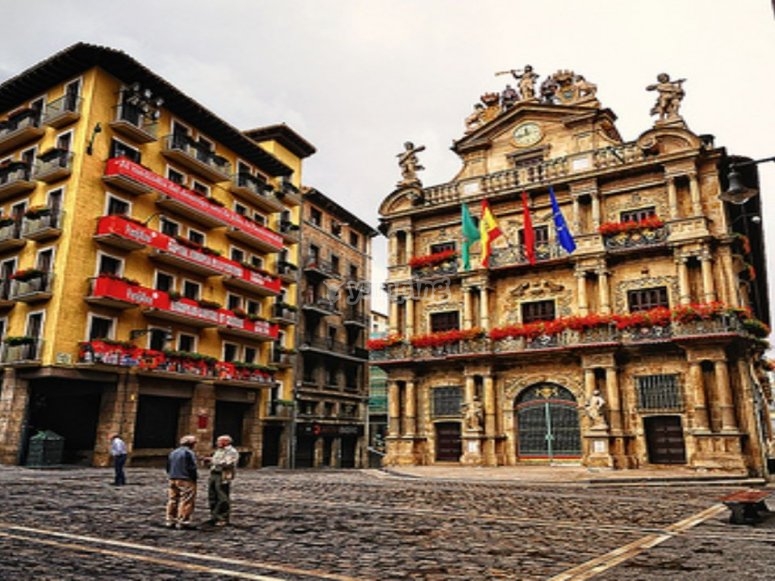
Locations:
(547, 423)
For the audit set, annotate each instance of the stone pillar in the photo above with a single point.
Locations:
(490, 425)
(576, 214)
(613, 399)
(581, 285)
(118, 410)
(394, 409)
(596, 217)
(694, 194)
(732, 297)
(410, 409)
(708, 286)
(471, 436)
(724, 396)
(393, 319)
(684, 292)
(672, 197)
(589, 383)
(392, 248)
(202, 405)
(484, 310)
(467, 314)
(14, 399)
(604, 291)
(409, 322)
(697, 387)
(409, 245)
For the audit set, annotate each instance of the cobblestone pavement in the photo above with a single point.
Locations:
(346, 525)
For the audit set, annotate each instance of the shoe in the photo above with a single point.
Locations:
(221, 523)
(186, 525)
(169, 524)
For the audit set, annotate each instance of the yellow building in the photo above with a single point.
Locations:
(148, 263)
(620, 318)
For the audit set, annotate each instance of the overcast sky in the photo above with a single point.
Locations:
(357, 78)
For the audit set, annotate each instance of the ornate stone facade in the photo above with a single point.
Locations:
(638, 343)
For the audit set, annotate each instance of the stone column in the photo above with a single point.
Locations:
(708, 286)
(410, 409)
(393, 319)
(697, 387)
(392, 248)
(14, 399)
(684, 293)
(409, 240)
(672, 197)
(394, 409)
(484, 310)
(581, 285)
(613, 398)
(118, 410)
(409, 323)
(576, 214)
(589, 383)
(732, 295)
(724, 396)
(603, 291)
(694, 194)
(490, 430)
(467, 314)
(202, 405)
(596, 217)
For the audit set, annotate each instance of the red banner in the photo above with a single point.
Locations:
(130, 230)
(105, 286)
(122, 166)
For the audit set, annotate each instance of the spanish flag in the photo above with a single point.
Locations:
(489, 231)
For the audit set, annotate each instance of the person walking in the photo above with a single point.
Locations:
(118, 451)
(223, 465)
(182, 474)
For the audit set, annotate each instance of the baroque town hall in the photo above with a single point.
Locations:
(613, 310)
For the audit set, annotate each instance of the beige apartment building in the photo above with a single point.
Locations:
(621, 317)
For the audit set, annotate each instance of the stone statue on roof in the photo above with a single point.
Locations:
(410, 165)
(671, 93)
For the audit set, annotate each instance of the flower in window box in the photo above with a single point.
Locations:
(6, 221)
(19, 340)
(27, 274)
(432, 259)
(382, 343)
(239, 312)
(35, 212)
(208, 304)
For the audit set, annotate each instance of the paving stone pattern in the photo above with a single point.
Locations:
(369, 525)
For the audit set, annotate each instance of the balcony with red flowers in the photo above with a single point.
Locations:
(205, 211)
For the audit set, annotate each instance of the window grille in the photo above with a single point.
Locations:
(442, 247)
(637, 215)
(445, 321)
(538, 311)
(659, 392)
(647, 298)
(447, 401)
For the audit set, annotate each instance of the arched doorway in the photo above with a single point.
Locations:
(547, 423)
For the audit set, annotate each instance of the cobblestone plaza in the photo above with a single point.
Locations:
(417, 524)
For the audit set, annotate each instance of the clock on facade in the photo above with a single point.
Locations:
(527, 134)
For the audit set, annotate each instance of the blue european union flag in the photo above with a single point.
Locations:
(563, 234)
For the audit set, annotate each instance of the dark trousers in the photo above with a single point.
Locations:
(218, 497)
(118, 466)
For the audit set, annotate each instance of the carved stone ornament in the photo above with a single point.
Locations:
(671, 282)
(514, 386)
(537, 290)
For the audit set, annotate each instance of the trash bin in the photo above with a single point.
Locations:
(46, 449)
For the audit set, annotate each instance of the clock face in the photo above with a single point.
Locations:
(527, 134)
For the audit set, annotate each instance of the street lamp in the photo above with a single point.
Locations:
(737, 192)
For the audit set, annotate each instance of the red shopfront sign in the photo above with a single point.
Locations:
(121, 166)
(105, 286)
(137, 232)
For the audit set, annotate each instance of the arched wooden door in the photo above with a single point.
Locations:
(547, 423)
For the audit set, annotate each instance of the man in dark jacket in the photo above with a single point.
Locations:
(181, 471)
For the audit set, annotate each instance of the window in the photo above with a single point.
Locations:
(259, 218)
(237, 255)
(336, 228)
(353, 272)
(158, 338)
(187, 343)
(637, 215)
(257, 261)
(169, 227)
(355, 240)
(45, 260)
(315, 217)
(100, 328)
(541, 235)
(447, 321)
(233, 301)
(117, 207)
(72, 90)
(647, 298)
(659, 392)
(65, 140)
(200, 188)
(164, 282)
(442, 247)
(196, 237)
(55, 201)
(250, 355)
(240, 209)
(447, 401)
(538, 311)
(175, 176)
(191, 289)
(34, 325)
(335, 264)
(119, 149)
(230, 351)
(109, 265)
(253, 307)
